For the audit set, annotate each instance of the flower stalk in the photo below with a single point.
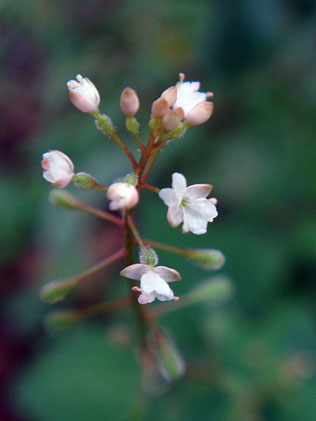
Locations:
(179, 107)
(57, 290)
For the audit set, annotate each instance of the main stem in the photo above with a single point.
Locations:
(139, 311)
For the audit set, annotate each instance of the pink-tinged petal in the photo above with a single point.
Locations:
(198, 191)
(63, 182)
(175, 215)
(203, 207)
(200, 113)
(193, 222)
(135, 271)
(146, 298)
(169, 197)
(170, 95)
(168, 274)
(179, 184)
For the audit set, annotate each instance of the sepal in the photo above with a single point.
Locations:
(84, 181)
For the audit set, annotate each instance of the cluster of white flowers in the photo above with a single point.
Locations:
(186, 204)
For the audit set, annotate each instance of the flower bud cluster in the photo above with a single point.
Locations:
(178, 107)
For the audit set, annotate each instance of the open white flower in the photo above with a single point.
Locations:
(58, 168)
(83, 94)
(153, 281)
(189, 205)
(196, 108)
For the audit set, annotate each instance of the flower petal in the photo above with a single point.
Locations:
(163, 291)
(164, 297)
(169, 197)
(175, 215)
(135, 271)
(194, 222)
(168, 274)
(148, 281)
(204, 207)
(188, 96)
(146, 298)
(198, 191)
(179, 184)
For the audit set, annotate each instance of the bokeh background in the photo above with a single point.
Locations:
(250, 359)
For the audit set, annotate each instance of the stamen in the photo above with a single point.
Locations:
(181, 77)
(209, 94)
(136, 289)
(176, 298)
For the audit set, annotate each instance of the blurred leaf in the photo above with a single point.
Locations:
(82, 374)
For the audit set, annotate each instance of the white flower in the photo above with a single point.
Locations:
(189, 205)
(58, 168)
(83, 94)
(153, 281)
(193, 103)
(122, 196)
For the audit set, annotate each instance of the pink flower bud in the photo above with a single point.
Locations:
(122, 196)
(200, 113)
(171, 120)
(83, 94)
(58, 168)
(160, 107)
(170, 95)
(129, 102)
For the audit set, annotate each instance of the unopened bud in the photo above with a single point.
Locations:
(84, 180)
(170, 363)
(170, 95)
(170, 121)
(209, 259)
(58, 168)
(213, 291)
(129, 102)
(160, 107)
(199, 114)
(122, 196)
(63, 199)
(57, 290)
(60, 320)
(83, 94)
(148, 256)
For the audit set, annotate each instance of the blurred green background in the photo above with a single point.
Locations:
(250, 359)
